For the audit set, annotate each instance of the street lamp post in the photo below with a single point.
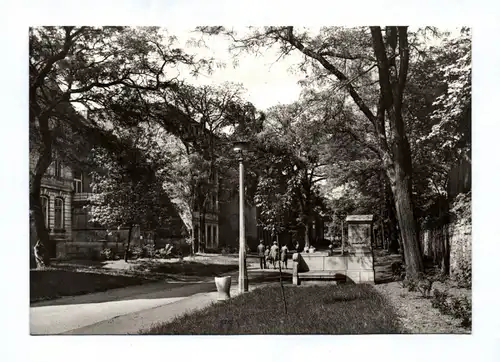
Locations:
(239, 147)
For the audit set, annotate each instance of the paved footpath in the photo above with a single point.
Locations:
(124, 310)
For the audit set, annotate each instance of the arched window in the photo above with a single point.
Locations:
(78, 182)
(45, 209)
(58, 213)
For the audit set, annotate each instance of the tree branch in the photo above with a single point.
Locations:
(383, 66)
(68, 42)
(347, 56)
(332, 69)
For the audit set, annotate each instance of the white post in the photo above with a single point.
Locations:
(242, 278)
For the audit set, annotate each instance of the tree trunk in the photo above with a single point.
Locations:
(445, 259)
(394, 150)
(307, 241)
(394, 237)
(202, 244)
(196, 238)
(127, 249)
(401, 188)
(382, 235)
(444, 210)
(191, 237)
(41, 251)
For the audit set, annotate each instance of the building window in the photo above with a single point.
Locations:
(58, 168)
(78, 183)
(79, 218)
(209, 235)
(196, 232)
(215, 230)
(45, 209)
(214, 203)
(58, 214)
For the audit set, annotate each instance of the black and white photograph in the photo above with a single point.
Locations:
(242, 180)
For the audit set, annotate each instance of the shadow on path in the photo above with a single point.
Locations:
(163, 289)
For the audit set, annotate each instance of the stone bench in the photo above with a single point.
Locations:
(353, 268)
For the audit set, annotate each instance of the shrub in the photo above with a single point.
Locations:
(410, 283)
(228, 250)
(148, 250)
(93, 254)
(398, 270)
(165, 252)
(181, 248)
(461, 308)
(211, 251)
(136, 251)
(464, 277)
(107, 254)
(439, 301)
(458, 307)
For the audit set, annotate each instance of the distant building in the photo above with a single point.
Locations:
(65, 191)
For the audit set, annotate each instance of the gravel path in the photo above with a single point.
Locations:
(416, 313)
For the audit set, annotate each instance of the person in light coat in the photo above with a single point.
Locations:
(284, 256)
(274, 253)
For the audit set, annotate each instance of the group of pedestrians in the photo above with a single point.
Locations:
(272, 255)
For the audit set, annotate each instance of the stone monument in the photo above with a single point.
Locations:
(355, 263)
(359, 248)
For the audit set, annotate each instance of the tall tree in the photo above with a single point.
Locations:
(350, 55)
(207, 106)
(303, 137)
(128, 187)
(90, 66)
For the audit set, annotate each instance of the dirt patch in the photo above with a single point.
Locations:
(416, 313)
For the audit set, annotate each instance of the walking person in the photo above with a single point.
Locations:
(284, 256)
(274, 253)
(267, 256)
(261, 251)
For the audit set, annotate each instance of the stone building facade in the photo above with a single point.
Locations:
(65, 191)
(56, 198)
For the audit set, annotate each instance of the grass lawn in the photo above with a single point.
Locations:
(53, 283)
(343, 309)
(83, 277)
(188, 268)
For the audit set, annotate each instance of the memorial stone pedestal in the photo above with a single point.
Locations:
(359, 248)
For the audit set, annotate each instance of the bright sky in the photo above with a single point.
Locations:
(267, 82)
